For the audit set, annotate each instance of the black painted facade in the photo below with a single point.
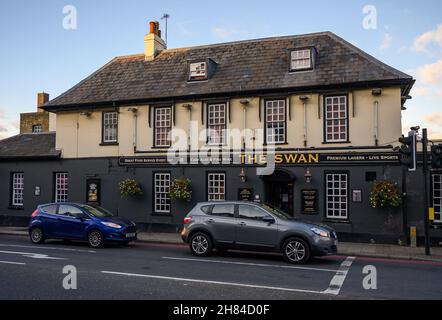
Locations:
(364, 223)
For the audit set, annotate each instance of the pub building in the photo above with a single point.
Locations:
(326, 113)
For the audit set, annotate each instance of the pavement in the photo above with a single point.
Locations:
(345, 248)
(57, 270)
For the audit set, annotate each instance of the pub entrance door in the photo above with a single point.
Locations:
(279, 191)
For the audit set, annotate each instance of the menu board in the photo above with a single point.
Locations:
(309, 200)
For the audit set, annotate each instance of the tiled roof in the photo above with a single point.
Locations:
(245, 66)
(29, 145)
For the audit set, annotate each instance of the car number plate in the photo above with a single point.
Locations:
(130, 235)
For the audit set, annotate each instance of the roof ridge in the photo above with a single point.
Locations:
(251, 40)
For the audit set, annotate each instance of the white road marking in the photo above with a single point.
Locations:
(251, 264)
(338, 280)
(33, 255)
(212, 282)
(45, 248)
(10, 262)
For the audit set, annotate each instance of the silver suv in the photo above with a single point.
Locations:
(257, 227)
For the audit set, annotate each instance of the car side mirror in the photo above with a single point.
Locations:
(269, 220)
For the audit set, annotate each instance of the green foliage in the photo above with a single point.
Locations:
(130, 188)
(385, 194)
(181, 190)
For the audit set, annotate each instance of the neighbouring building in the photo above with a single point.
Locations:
(40, 121)
(331, 111)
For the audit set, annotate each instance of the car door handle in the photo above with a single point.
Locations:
(242, 224)
(211, 221)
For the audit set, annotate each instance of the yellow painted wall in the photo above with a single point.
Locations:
(80, 136)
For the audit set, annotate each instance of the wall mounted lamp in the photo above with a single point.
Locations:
(243, 175)
(308, 176)
(86, 114)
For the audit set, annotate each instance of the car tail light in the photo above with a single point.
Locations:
(187, 220)
(34, 213)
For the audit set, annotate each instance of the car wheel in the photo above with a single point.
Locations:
(37, 235)
(95, 239)
(296, 251)
(201, 245)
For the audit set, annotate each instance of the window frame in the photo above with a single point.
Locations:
(13, 190)
(56, 189)
(325, 119)
(198, 78)
(155, 126)
(40, 126)
(208, 174)
(105, 142)
(266, 142)
(335, 218)
(224, 137)
(311, 67)
(155, 194)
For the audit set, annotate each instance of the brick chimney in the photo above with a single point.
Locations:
(153, 44)
(42, 98)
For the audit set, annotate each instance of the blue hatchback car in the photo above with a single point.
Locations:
(74, 221)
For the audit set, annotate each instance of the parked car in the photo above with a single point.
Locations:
(254, 226)
(74, 221)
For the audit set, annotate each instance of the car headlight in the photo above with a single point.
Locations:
(321, 233)
(112, 225)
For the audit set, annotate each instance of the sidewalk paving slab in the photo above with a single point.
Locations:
(345, 248)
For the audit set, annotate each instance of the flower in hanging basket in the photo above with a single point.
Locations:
(181, 190)
(385, 194)
(130, 188)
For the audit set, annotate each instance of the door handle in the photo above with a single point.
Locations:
(242, 224)
(211, 221)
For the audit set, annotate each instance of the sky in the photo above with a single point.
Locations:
(42, 48)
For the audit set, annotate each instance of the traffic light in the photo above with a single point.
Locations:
(436, 156)
(408, 151)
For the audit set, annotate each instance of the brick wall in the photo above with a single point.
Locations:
(27, 120)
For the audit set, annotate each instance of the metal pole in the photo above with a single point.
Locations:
(426, 201)
(404, 206)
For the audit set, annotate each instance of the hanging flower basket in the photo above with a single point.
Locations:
(130, 188)
(181, 190)
(385, 194)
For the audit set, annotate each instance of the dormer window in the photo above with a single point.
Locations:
(302, 59)
(198, 71)
(201, 69)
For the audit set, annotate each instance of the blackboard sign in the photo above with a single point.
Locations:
(245, 194)
(309, 200)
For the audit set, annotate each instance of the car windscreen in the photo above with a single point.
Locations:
(280, 214)
(97, 211)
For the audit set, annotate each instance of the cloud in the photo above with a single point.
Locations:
(8, 126)
(431, 73)
(433, 37)
(434, 118)
(386, 42)
(228, 34)
(420, 91)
